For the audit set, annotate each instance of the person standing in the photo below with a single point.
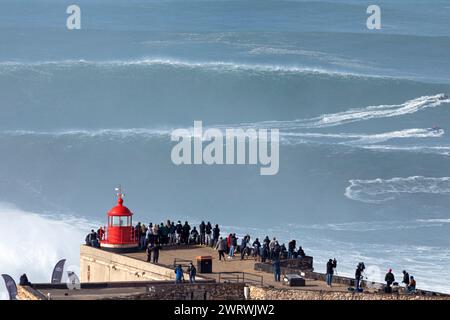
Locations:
(101, 233)
(202, 230)
(291, 248)
(179, 276)
(276, 251)
(230, 246)
(208, 231)
(149, 252)
(164, 231)
(389, 278)
(192, 270)
(179, 231)
(155, 232)
(276, 270)
(256, 248)
(405, 278)
(194, 238)
(271, 247)
(243, 247)
(94, 239)
(331, 264)
(156, 249)
(142, 237)
(216, 235)
(358, 274)
(185, 233)
(233, 245)
(300, 253)
(264, 252)
(222, 248)
(137, 232)
(173, 230)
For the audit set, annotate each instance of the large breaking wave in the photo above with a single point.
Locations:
(32, 243)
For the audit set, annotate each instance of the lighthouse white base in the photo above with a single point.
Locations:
(131, 247)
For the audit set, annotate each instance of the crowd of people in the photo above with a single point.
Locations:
(170, 233)
(153, 237)
(263, 251)
(408, 280)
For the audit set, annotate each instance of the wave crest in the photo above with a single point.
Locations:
(361, 114)
(382, 190)
(219, 66)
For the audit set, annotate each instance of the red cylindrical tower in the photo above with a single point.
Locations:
(120, 234)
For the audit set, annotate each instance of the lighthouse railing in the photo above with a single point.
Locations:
(126, 235)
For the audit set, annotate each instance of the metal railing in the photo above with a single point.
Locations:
(182, 262)
(245, 277)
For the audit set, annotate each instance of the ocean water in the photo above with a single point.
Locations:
(363, 118)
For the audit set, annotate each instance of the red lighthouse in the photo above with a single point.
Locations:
(120, 235)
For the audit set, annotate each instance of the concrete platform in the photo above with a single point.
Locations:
(169, 254)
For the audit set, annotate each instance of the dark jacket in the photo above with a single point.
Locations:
(301, 253)
(192, 271)
(216, 233)
(208, 228)
(202, 228)
(156, 250)
(406, 278)
(330, 267)
(276, 265)
(234, 241)
(292, 244)
(389, 277)
(186, 228)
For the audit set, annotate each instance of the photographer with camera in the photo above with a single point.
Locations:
(358, 275)
(331, 265)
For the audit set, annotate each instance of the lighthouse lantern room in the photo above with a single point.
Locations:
(120, 234)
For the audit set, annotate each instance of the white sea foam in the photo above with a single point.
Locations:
(381, 190)
(286, 137)
(367, 139)
(220, 66)
(320, 56)
(291, 132)
(285, 51)
(32, 243)
(359, 114)
(434, 220)
(439, 150)
(117, 133)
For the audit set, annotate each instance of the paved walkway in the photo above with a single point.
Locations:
(168, 255)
